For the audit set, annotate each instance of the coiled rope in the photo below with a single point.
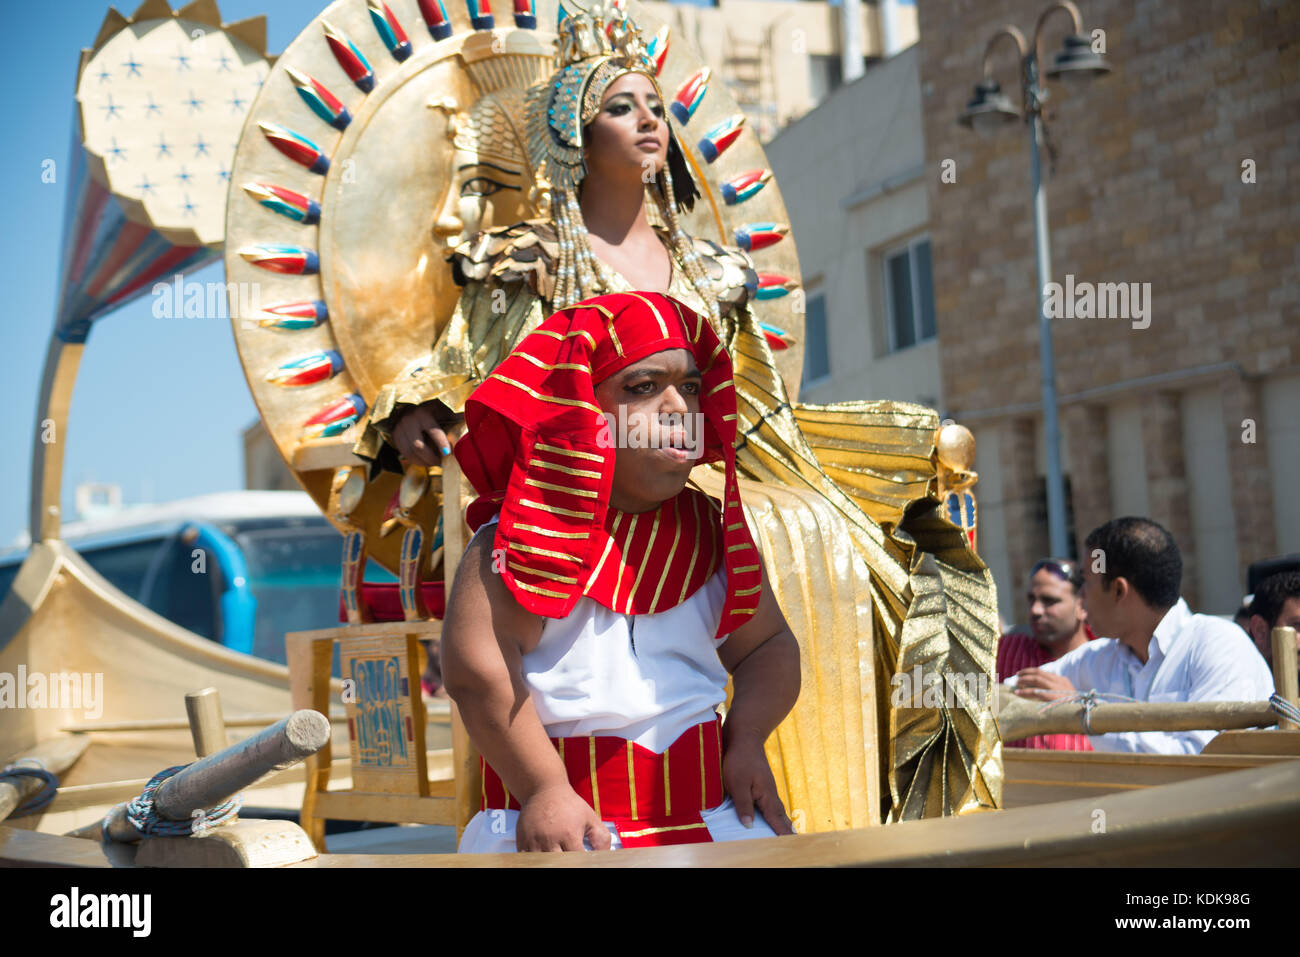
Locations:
(32, 768)
(142, 815)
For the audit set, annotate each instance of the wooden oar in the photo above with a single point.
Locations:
(1021, 717)
(212, 780)
(55, 755)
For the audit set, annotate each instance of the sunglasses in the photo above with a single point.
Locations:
(1064, 570)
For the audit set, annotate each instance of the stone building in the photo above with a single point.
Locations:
(1176, 170)
(853, 176)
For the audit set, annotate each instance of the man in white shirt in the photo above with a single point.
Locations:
(1157, 650)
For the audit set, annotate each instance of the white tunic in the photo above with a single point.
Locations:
(647, 678)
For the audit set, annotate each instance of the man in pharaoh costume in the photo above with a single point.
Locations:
(882, 582)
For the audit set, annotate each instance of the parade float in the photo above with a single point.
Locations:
(384, 135)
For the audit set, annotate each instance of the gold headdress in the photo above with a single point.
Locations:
(596, 47)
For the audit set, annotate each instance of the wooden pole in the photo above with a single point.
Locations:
(55, 755)
(203, 708)
(212, 780)
(1284, 670)
(455, 538)
(1021, 717)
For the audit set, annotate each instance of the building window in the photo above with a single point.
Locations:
(816, 348)
(909, 295)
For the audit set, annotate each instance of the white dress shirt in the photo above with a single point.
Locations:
(1190, 658)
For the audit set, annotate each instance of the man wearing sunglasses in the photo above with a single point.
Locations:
(1058, 624)
(1157, 650)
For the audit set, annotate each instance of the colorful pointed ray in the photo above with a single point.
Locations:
(286, 202)
(336, 417)
(753, 236)
(658, 49)
(961, 512)
(721, 136)
(777, 339)
(480, 14)
(353, 62)
(525, 14)
(278, 257)
(322, 102)
(435, 18)
(297, 147)
(302, 314)
(309, 369)
(390, 30)
(773, 285)
(690, 95)
(743, 187)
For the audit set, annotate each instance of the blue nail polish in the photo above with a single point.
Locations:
(446, 450)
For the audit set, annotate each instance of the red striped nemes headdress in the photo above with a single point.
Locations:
(538, 450)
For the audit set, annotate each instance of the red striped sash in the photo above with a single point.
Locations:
(652, 799)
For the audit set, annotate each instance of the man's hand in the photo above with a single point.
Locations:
(419, 433)
(556, 819)
(747, 777)
(1044, 685)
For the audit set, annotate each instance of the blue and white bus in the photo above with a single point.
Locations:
(239, 568)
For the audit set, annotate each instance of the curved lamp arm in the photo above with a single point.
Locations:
(1069, 8)
(1018, 39)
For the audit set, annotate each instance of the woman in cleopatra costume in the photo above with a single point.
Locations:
(845, 498)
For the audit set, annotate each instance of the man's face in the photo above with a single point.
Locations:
(652, 407)
(1262, 632)
(1054, 609)
(1100, 604)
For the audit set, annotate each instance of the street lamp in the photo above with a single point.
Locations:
(989, 111)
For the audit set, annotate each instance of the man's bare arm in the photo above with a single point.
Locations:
(763, 658)
(482, 664)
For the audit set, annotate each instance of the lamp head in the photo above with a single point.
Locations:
(989, 110)
(1077, 59)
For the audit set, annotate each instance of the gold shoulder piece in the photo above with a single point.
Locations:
(525, 252)
(730, 270)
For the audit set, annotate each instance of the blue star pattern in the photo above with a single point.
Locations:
(170, 181)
